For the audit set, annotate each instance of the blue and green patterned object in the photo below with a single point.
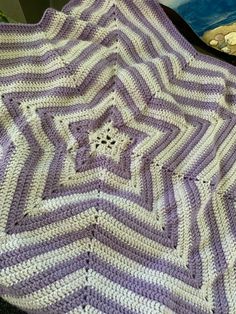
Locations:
(5, 19)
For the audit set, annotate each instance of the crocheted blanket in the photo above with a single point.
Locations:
(117, 165)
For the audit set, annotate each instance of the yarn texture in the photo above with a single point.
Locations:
(117, 165)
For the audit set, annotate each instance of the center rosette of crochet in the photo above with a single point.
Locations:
(108, 140)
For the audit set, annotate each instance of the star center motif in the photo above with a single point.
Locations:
(108, 141)
(103, 142)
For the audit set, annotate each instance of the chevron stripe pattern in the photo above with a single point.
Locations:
(117, 165)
